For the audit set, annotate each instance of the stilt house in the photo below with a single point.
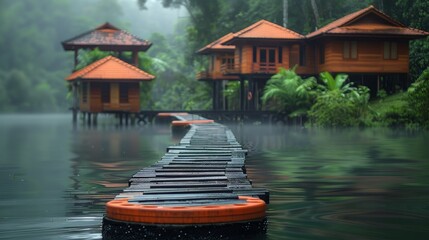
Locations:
(220, 61)
(368, 45)
(109, 85)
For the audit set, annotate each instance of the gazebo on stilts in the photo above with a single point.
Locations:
(109, 85)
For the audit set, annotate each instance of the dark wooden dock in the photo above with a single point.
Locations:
(204, 171)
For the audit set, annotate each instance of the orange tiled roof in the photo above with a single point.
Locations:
(355, 23)
(107, 36)
(264, 29)
(110, 68)
(217, 45)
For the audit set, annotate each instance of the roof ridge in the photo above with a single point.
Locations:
(93, 66)
(351, 17)
(130, 66)
(263, 21)
(216, 42)
(283, 28)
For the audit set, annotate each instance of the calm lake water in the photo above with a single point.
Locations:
(324, 184)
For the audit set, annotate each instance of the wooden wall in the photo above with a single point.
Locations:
(95, 104)
(370, 58)
(247, 66)
(215, 69)
(134, 97)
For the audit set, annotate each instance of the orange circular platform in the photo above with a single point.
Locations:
(122, 210)
(189, 122)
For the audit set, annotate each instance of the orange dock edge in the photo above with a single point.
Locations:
(122, 210)
(189, 122)
(172, 114)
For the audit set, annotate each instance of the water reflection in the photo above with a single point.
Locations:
(55, 179)
(341, 184)
(106, 157)
(324, 184)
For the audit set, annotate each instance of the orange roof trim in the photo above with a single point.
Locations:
(355, 23)
(264, 29)
(111, 68)
(217, 45)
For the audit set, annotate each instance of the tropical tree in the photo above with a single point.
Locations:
(418, 99)
(339, 103)
(287, 92)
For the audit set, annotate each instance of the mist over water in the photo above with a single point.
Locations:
(324, 184)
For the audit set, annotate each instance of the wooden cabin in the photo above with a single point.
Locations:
(220, 61)
(109, 85)
(262, 48)
(368, 45)
(259, 50)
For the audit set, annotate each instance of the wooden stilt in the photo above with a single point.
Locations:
(242, 95)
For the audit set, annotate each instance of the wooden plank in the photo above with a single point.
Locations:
(188, 197)
(194, 203)
(206, 168)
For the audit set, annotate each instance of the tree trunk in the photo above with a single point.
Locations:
(315, 12)
(285, 12)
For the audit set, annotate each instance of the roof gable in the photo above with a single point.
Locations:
(106, 35)
(264, 29)
(217, 45)
(110, 68)
(367, 21)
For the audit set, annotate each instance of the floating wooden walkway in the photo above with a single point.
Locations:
(198, 190)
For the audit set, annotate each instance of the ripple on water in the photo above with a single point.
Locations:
(57, 228)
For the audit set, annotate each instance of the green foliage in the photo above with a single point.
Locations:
(286, 91)
(333, 109)
(175, 87)
(232, 94)
(339, 104)
(418, 99)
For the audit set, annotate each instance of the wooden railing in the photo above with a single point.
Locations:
(265, 68)
(229, 68)
(203, 75)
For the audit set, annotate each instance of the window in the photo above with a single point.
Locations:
(263, 55)
(267, 55)
(280, 55)
(123, 93)
(350, 50)
(105, 93)
(272, 55)
(322, 54)
(302, 55)
(390, 50)
(85, 92)
(228, 62)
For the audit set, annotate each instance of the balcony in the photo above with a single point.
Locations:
(269, 68)
(230, 68)
(207, 75)
(204, 75)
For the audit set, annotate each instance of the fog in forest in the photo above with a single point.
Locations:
(33, 64)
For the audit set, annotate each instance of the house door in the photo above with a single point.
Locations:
(267, 59)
